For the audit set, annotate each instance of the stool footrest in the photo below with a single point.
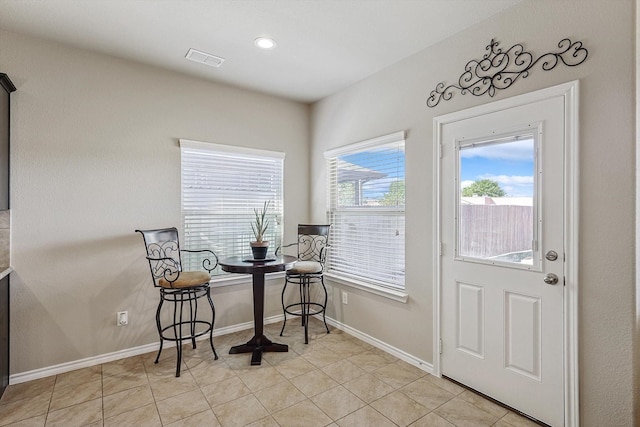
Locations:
(184, 304)
(185, 337)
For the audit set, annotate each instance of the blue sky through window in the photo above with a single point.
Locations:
(386, 160)
(511, 164)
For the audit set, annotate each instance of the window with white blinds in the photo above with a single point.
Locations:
(221, 187)
(366, 210)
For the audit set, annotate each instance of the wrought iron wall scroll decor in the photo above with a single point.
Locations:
(500, 69)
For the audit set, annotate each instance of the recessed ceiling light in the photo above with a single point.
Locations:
(265, 43)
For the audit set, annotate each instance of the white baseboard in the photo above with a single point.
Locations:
(122, 354)
(147, 348)
(82, 363)
(400, 354)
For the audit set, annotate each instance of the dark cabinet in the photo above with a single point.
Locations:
(6, 87)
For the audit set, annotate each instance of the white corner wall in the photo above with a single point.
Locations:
(395, 99)
(95, 155)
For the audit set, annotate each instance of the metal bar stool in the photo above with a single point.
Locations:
(181, 288)
(313, 241)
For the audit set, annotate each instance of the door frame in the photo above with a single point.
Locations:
(569, 91)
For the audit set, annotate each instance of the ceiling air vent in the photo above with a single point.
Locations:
(204, 58)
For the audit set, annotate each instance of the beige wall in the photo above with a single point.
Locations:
(636, 338)
(94, 156)
(394, 99)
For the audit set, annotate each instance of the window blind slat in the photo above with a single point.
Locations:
(366, 210)
(220, 190)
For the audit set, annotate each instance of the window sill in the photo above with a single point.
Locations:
(238, 279)
(382, 291)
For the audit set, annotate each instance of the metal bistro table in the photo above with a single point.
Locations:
(259, 343)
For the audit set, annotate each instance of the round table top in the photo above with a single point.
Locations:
(246, 265)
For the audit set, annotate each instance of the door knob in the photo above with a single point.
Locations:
(550, 279)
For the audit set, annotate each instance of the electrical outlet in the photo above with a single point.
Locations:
(345, 297)
(122, 318)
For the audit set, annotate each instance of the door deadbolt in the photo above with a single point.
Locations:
(551, 255)
(550, 279)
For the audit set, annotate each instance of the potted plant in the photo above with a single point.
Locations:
(259, 227)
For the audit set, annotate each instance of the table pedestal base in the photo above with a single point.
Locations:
(257, 345)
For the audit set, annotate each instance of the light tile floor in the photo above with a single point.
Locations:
(335, 380)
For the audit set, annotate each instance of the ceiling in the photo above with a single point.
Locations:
(322, 47)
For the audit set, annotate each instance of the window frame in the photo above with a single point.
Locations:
(496, 140)
(331, 157)
(223, 279)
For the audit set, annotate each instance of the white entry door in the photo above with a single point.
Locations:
(502, 263)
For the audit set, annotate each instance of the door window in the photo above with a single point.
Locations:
(497, 213)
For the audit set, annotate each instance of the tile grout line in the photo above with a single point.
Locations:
(153, 396)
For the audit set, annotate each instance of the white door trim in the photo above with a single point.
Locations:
(571, 225)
